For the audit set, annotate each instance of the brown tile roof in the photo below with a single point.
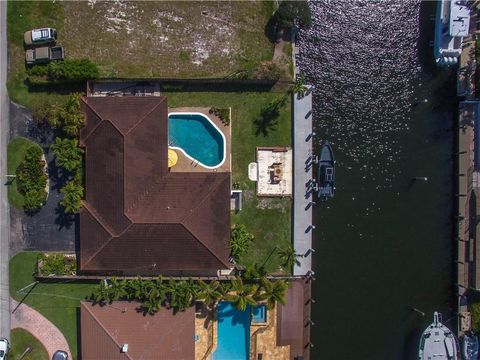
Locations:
(105, 329)
(138, 218)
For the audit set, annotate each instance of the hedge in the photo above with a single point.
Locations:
(67, 71)
(31, 179)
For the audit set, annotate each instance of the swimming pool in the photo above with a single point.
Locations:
(233, 333)
(259, 313)
(197, 137)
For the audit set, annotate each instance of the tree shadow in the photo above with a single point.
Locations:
(64, 219)
(268, 119)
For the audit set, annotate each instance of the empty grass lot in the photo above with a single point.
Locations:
(268, 219)
(16, 150)
(21, 340)
(143, 39)
(58, 302)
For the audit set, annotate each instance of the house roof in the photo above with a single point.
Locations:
(138, 217)
(105, 329)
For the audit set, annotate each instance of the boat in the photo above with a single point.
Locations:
(326, 173)
(438, 342)
(451, 26)
(470, 346)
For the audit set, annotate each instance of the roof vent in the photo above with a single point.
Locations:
(125, 348)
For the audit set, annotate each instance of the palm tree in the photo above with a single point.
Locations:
(242, 294)
(134, 288)
(100, 293)
(72, 197)
(68, 153)
(289, 257)
(272, 291)
(210, 293)
(255, 272)
(298, 87)
(116, 290)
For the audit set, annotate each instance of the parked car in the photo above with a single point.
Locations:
(40, 36)
(44, 54)
(4, 347)
(60, 355)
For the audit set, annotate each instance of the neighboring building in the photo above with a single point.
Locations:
(139, 218)
(119, 332)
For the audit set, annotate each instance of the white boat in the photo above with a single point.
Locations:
(438, 342)
(451, 26)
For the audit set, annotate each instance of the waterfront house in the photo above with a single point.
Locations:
(138, 217)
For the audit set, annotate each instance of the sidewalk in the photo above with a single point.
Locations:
(31, 320)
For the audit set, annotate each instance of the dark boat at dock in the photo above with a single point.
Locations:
(326, 173)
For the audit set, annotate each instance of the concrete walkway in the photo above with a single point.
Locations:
(303, 194)
(31, 320)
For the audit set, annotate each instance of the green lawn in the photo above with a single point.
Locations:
(59, 302)
(17, 148)
(268, 219)
(21, 340)
(186, 39)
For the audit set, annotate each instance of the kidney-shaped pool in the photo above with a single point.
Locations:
(197, 137)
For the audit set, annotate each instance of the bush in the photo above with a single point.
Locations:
(291, 11)
(31, 179)
(72, 197)
(222, 113)
(240, 241)
(67, 71)
(266, 70)
(57, 264)
(68, 153)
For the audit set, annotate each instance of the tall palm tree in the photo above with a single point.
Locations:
(272, 292)
(289, 257)
(242, 294)
(255, 272)
(210, 293)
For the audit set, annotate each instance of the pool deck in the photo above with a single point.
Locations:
(185, 164)
(303, 194)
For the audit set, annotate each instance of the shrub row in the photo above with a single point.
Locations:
(67, 71)
(57, 264)
(222, 113)
(31, 179)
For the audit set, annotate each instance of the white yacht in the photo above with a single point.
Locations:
(438, 342)
(451, 26)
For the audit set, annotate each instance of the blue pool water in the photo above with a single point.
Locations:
(233, 333)
(197, 137)
(259, 314)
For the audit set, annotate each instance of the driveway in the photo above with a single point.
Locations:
(23, 316)
(50, 229)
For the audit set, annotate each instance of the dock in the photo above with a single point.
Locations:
(467, 194)
(303, 194)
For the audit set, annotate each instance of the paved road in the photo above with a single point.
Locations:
(4, 207)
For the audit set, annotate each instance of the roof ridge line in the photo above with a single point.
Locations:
(96, 113)
(104, 329)
(106, 243)
(143, 118)
(205, 246)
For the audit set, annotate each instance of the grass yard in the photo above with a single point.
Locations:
(268, 219)
(58, 302)
(21, 340)
(16, 150)
(143, 39)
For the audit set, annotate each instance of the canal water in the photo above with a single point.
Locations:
(384, 243)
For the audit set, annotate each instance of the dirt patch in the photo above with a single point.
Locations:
(166, 39)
